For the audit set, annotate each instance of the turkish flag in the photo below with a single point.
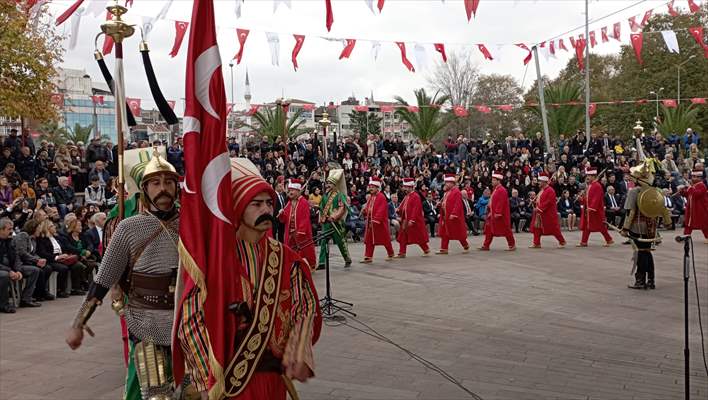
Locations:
(552, 48)
(572, 41)
(617, 30)
(505, 107)
(528, 56)
(242, 35)
(637, 43)
(485, 52)
(697, 33)
(603, 34)
(592, 109)
(404, 59)
(698, 100)
(580, 53)
(646, 17)
(412, 109)
(229, 107)
(460, 111)
(380, 5)
(593, 42)
(387, 109)
(207, 234)
(172, 103)
(441, 49)
(97, 99)
(347, 51)
(69, 11)
(107, 40)
(308, 107)
(299, 39)
(483, 109)
(180, 30)
(330, 15)
(561, 45)
(669, 103)
(253, 110)
(134, 104)
(642, 101)
(693, 6)
(57, 99)
(471, 8)
(361, 108)
(672, 11)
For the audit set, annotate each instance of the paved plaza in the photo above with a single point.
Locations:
(531, 324)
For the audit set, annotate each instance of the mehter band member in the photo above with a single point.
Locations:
(452, 224)
(592, 215)
(498, 220)
(413, 229)
(377, 229)
(544, 220)
(298, 227)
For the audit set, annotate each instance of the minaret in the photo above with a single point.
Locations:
(247, 97)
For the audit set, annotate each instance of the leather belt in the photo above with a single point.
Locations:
(152, 291)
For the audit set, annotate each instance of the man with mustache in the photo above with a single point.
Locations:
(452, 216)
(298, 228)
(142, 258)
(377, 230)
(412, 220)
(269, 319)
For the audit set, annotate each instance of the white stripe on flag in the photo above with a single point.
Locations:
(671, 41)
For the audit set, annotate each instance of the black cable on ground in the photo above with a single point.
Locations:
(698, 304)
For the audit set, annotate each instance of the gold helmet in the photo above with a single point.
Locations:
(156, 166)
(336, 178)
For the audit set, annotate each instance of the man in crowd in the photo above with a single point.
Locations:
(377, 225)
(12, 270)
(544, 220)
(468, 207)
(452, 224)
(498, 220)
(612, 207)
(333, 214)
(64, 195)
(592, 215)
(412, 221)
(696, 215)
(281, 198)
(298, 228)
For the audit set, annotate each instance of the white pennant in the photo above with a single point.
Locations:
(239, 4)
(370, 3)
(274, 43)
(96, 8)
(671, 41)
(148, 24)
(276, 3)
(375, 47)
(163, 13)
(545, 51)
(421, 57)
(75, 24)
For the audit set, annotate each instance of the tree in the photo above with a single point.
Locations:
(53, 133)
(30, 48)
(365, 123)
(562, 119)
(79, 133)
(429, 120)
(457, 78)
(677, 120)
(271, 123)
(496, 89)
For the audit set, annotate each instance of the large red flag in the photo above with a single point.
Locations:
(637, 43)
(207, 235)
(134, 104)
(697, 33)
(180, 30)
(580, 53)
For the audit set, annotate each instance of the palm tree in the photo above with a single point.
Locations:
(429, 120)
(677, 120)
(79, 133)
(53, 133)
(563, 119)
(271, 123)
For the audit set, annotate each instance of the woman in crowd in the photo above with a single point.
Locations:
(25, 192)
(48, 247)
(5, 192)
(566, 209)
(315, 197)
(73, 242)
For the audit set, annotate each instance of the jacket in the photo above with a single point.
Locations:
(26, 248)
(7, 249)
(45, 249)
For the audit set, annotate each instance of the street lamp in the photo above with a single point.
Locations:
(231, 65)
(678, 78)
(653, 93)
(325, 122)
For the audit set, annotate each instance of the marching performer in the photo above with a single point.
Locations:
(592, 215)
(276, 323)
(498, 220)
(696, 215)
(644, 205)
(298, 227)
(333, 212)
(413, 229)
(544, 220)
(452, 216)
(142, 257)
(377, 230)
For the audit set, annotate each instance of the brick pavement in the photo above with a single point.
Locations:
(533, 324)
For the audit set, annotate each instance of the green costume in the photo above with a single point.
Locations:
(331, 202)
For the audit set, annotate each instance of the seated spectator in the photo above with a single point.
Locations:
(64, 196)
(25, 243)
(673, 210)
(480, 207)
(72, 242)
(94, 235)
(12, 176)
(5, 192)
(393, 205)
(44, 193)
(6, 157)
(25, 192)
(99, 171)
(11, 269)
(95, 193)
(26, 164)
(430, 210)
(613, 208)
(354, 223)
(470, 218)
(49, 248)
(566, 210)
(517, 206)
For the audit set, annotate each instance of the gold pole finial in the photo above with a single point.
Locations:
(116, 27)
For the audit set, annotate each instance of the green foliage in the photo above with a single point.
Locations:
(53, 133)
(562, 120)
(79, 133)
(365, 123)
(429, 120)
(497, 89)
(677, 120)
(271, 123)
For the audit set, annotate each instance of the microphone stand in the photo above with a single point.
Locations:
(686, 262)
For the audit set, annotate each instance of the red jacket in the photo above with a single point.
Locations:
(413, 222)
(298, 229)
(376, 214)
(547, 210)
(452, 216)
(697, 206)
(498, 221)
(592, 216)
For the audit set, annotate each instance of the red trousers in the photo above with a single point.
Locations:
(687, 231)
(402, 247)
(605, 234)
(556, 232)
(264, 385)
(369, 249)
(509, 239)
(444, 243)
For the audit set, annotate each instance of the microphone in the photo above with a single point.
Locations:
(682, 238)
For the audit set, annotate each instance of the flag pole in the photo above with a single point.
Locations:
(118, 30)
(542, 100)
(587, 75)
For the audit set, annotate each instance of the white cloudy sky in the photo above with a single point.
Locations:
(322, 77)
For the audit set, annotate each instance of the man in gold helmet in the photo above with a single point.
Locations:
(333, 212)
(142, 258)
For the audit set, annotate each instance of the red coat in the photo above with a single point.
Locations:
(498, 221)
(547, 210)
(413, 222)
(452, 216)
(376, 214)
(697, 206)
(298, 229)
(592, 216)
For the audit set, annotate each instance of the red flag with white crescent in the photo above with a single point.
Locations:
(180, 30)
(698, 100)
(529, 55)
(134, 104)
(645, 19)
(561, 45)
(207, 235)
(483, 109)
(485, 52)
(633, 25)
(593, 41)
(617, 30)
(580, 53)
(242, 35)
(669, 103)
(440, 48)
(592, 109)
(460, 111)
(107, 40)
(603, 34)
(637, 43)
(697, 33)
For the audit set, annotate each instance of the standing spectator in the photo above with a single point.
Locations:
(11, 269)
(26, 164)
(431, 213)
(175, 156)
(95, 193)
(64, 196)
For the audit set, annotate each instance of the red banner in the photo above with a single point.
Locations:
(241, 35)
(134, 104)
(693, 7)
(107, 40)
(592, 109)
(698, 100)
(672, 11)
(603, 34)
(299, 39)
(485, 52)
(180, 30)
(380, 5)
(637, 43)
(697, 33)
(404, 59)
(471, 8)
(97, 99)
(329, 15)
(69, 11)
(460, 111)
(361, 108)
(580, 53)
(347, 51)
(669, 103)
(57, 99)
(528, 56)
(440, 48)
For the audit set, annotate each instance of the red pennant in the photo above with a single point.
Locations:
(129, 3)
(561, 45)
(669, 103)
(592, 108)
(552, 48)
(308, 107)
(485, 52)
(380, 5)
(361, 108)
(645, 19)
(97, 99)
(672, 11)
(572, 41)
(642, 101)
(617, 31)
(603, 34)
(460, 111)
(347, 51)
(528, 56)
(69, 11)
(633, 26)
(253, 110)
(229, 107)
(693, 6)
(107, 40)
(580, 53)
(171, 103)
(441, 49)
(387, 109)
(242, 35)
(299, 39)
(412, 109)
(593, 42)
(57, 99)
(483, 109)
(471, 8)
(181, 29)
(330, 16)
(405, 61)
(637, 43)
(134, 105)
(506, 107)
(697, 33)
(698, 100)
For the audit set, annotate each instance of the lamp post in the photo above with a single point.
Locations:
(653, 93)
(324, 123)
(678, 78)
(283, 105)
